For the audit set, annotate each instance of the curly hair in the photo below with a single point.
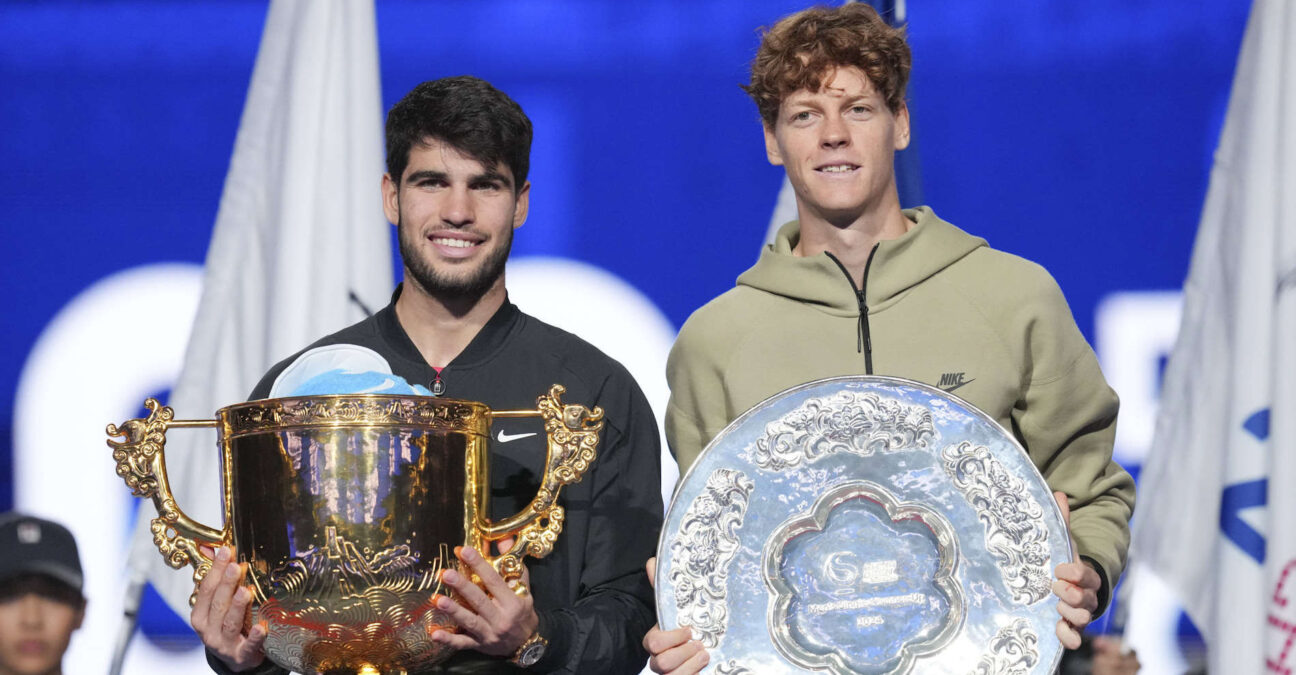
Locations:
(468, 114)
(801, 49)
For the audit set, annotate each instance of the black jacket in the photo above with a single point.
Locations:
(591, 592)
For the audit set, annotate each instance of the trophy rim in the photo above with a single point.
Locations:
(335, 411)
(413, 397)
(879, 379)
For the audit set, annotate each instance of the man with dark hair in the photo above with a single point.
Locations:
(857, 285)
(457, 155)
(41, 604)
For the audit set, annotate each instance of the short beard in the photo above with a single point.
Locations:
(441, 285)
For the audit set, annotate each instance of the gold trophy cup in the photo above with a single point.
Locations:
(346, 509)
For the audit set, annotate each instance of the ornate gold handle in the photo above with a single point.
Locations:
(573, 432)
(141, 462)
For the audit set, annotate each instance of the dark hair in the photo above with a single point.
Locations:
(43, 585)
(798, 51)
(468, 114)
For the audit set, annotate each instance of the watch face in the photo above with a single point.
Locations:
(531, 654)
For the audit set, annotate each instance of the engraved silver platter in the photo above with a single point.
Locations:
(864, 525)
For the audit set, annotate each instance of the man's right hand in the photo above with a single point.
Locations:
(674, 652)
(221, 611)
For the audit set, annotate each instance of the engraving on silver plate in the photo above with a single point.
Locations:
(843, 567)
(848, 614)
(702, 551)
(1013, 651)
(1015, 530)
(731, 667)
(860, 423)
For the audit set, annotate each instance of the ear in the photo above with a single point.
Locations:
(522, 206)
(772, 151)
(902, 127)
(391, 199)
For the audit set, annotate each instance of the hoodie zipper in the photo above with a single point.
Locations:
(864, 341)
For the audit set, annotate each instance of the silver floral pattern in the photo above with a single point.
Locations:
(861, 578)
(860, 423)
(702, 550)
(1015, 529)
(1013, 651)
(731, 667)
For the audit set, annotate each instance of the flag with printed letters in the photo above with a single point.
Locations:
(300, 247)
(1216, 515)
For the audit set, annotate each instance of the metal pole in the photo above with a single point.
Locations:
(130, 618)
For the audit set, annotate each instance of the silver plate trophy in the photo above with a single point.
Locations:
(864, 525)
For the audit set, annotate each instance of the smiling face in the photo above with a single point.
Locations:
(455, 219)
(35, 627)
(838, 146)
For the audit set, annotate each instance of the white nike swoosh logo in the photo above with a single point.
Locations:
(505, 438)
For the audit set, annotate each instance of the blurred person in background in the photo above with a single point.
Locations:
(1099, 655)
(41, 603)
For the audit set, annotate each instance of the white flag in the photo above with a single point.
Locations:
(301, 247)
(1216, 516)
(785, 211)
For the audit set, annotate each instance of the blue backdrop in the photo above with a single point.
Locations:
(1075, 134)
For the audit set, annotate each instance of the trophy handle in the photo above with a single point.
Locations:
(141, 462)
(573, 432)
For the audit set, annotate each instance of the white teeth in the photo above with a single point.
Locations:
(456, 243)
(838, 168)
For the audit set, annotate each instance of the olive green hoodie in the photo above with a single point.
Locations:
(941, 307)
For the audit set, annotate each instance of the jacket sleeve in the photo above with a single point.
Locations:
(266, 667)
(1066, 418)
(602, 632)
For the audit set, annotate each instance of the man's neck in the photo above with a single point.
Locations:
(441, 327)
(851, 241)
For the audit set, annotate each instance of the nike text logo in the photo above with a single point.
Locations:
(951, 381)
(505, 438)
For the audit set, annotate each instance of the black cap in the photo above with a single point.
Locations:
(31, 545)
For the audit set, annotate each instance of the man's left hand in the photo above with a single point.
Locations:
(1076, 586)
(495, 621)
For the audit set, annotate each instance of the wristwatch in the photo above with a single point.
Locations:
(530, 652)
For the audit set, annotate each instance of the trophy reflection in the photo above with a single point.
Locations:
(347, 508)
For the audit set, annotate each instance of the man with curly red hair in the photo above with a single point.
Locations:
(856, 285)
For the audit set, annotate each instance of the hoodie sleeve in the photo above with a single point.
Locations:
(698, 409)
(1066, 418)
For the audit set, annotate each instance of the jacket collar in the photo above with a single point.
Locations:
(928, 247)
(489, 340)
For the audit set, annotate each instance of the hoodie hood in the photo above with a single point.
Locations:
(928, 247)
